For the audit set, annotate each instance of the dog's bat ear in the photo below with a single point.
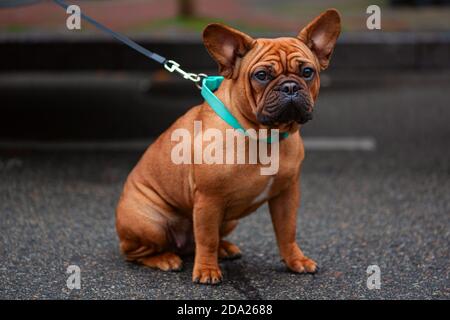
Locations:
(320, 35)
(226, 46)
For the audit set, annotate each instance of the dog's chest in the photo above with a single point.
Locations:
(257, 190)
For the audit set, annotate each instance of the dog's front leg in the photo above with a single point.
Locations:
(208, 214)
(283, 210)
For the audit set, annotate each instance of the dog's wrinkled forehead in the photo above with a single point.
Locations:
(281, 55)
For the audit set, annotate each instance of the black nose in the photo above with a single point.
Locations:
(290, 88)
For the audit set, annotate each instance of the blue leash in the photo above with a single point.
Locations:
(169, 65)
(118, 36)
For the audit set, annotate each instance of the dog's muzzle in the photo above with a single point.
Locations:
(287, 102)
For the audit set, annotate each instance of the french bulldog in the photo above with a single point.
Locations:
(167, 209)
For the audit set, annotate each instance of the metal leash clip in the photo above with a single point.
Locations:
(172, 66)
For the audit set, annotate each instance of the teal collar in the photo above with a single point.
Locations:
(209, 85)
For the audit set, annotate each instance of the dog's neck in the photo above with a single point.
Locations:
(239, 106)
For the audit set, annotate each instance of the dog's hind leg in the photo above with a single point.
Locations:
(143, 237)
(228, 250)
(166, 261)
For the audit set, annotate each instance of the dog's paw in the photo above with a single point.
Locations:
(227, 250)
(302, 265)
(207, 275)
(166, 261)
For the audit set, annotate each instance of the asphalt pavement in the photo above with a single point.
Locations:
(388, 207)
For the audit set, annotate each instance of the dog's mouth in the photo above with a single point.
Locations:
(294, 109)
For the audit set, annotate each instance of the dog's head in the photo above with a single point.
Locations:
(276, 80)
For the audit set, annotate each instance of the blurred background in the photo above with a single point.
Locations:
(188, 17)
(77, 109)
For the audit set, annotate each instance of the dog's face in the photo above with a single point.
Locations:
(277, 80)
(284, 82)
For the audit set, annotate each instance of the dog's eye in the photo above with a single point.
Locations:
(261, 75)
(308, 73)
